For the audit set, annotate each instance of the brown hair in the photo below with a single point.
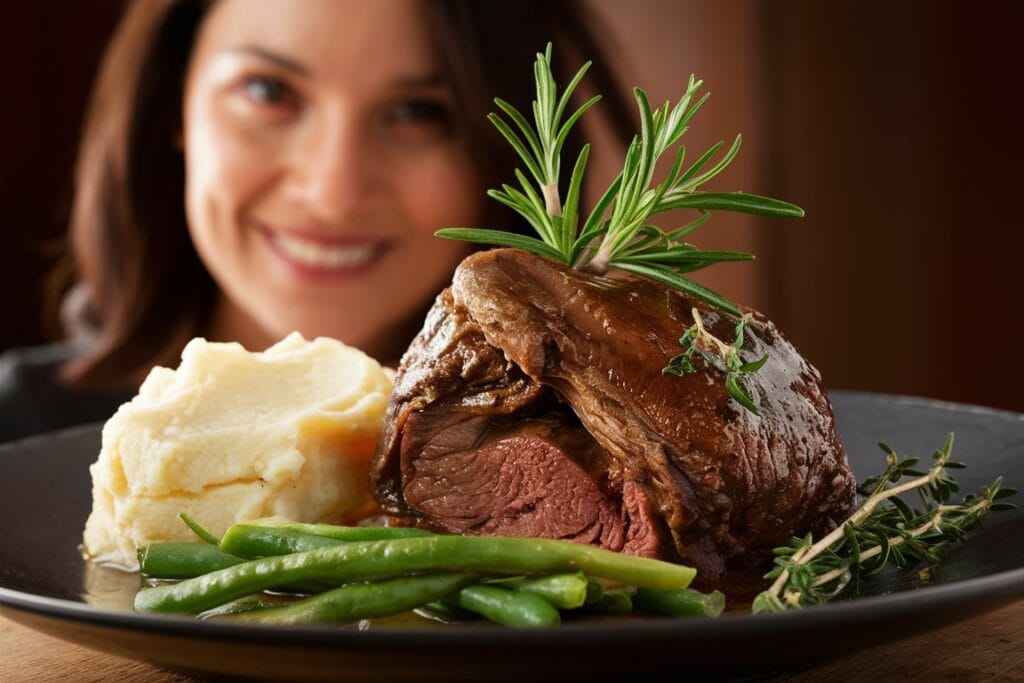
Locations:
(147, 290)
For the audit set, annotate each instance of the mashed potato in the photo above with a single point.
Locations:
(232, 435)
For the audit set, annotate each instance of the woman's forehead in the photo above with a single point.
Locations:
(366, 39)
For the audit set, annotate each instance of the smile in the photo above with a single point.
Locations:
(316, 259)
(320, 255)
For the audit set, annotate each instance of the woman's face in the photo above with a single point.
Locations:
(319, 162)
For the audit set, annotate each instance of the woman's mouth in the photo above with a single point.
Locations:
(318, 255)
(319, 258)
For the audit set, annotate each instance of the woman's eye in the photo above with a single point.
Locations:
(421, 111)
(269, 91)
(415, 123)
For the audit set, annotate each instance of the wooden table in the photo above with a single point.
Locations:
(986, 648)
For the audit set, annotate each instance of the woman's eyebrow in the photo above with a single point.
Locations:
(432, 80)
(279, 60)
(426, 80)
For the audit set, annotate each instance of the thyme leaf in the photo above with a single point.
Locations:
(883, 530)
(697, 341)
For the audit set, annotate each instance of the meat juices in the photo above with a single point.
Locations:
(532, 403)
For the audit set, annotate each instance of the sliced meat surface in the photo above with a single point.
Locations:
(537, 477)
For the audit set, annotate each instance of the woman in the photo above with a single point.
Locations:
(251, 169)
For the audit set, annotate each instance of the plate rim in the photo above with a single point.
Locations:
(988, 592)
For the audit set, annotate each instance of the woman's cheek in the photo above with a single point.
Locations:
(446, 193)
(242, 157)
(224, 160)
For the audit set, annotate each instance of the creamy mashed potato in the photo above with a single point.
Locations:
(232, 435)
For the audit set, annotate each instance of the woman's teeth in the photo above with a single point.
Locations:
(317, 254)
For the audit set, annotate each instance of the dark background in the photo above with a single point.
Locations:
(897, 126)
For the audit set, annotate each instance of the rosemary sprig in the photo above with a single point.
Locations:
(885, 529)
(625, 239)
(726, 357)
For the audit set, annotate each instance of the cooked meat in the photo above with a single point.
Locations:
(533, 404)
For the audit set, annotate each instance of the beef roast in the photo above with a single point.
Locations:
(533, 403)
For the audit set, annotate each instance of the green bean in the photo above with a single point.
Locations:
(189, 560)
(362, 600)
(564, 591)
(440, 610)
(595, 589)
(342, 533)
(272, 536)
(614, 601)
(245, 540)
(182, 560)
(506, 607)
(680, 603)
(247, 604)
(377, 560)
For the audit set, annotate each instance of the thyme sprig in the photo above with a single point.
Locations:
(625, 239)
(884, 529)
(698, 341)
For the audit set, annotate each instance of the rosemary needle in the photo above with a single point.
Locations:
(625, 239)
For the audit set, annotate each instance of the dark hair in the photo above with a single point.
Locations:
(147, 290)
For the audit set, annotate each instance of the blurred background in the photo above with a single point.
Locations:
(897, 126)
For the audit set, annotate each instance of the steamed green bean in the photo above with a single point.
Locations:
(183, 560)
(366, 560)
(680, 603)
(564, 591)
(504, 606)
(362, 600)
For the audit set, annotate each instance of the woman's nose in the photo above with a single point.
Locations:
(331, 170)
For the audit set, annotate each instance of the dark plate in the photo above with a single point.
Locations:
(45, 498)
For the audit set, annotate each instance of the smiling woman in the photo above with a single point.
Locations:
(316, 177)
(254, 168)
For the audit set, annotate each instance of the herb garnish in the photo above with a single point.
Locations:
(885, 529)
(716, 352)
(625, 239)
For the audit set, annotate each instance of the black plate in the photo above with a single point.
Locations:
(45, 498)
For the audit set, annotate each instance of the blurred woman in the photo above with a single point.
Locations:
(253, 167)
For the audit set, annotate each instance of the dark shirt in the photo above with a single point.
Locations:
(33, 400)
